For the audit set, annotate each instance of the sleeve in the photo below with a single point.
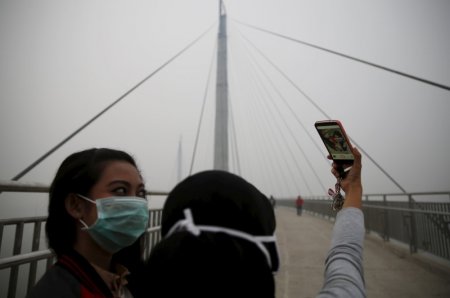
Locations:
(344, 274)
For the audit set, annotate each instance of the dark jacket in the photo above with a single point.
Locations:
(71, 276)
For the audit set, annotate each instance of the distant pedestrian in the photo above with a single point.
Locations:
(273, 201)
(299, 204)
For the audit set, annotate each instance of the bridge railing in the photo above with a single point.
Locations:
(21, 268)
(421, 225)
(412, 218)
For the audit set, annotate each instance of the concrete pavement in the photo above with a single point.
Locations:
(390, 271)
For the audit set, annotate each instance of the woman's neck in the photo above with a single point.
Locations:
(92, 252)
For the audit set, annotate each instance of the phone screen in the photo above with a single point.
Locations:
(335, 142)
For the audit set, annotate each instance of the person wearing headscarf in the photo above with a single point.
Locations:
(218, 241)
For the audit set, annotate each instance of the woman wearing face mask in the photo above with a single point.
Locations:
(97, 207)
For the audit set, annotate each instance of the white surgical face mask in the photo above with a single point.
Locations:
(188, 225)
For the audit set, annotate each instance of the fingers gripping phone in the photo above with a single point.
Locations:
(337, 143)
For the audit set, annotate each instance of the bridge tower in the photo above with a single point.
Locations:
(221, 124)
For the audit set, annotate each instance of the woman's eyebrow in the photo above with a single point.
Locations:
(119, 182)
(127, 183)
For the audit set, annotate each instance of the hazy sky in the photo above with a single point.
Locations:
(62, 62)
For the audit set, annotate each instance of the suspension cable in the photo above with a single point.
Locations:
(267, 182)
(438, 85)
(267, 126)
(257, 70)
(280, 133)
(299, 90)
(194, 152)
(39, 160)
(286, 125)
(328, 117)
(234, 140)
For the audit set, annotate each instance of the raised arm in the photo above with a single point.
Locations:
(344, 274)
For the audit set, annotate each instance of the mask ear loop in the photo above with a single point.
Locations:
(85, 226)
(241, 235)
(187, 224)
(86, 198)
(268, 239)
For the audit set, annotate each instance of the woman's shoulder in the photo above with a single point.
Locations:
(56, 282)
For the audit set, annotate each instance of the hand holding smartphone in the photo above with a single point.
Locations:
(337, 143)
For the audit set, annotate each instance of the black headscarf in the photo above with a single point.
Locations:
(213, 264)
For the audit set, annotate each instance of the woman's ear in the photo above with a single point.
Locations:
(74, 206)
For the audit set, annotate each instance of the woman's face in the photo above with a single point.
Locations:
(119, 178)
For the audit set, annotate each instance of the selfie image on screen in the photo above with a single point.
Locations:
(335, 142)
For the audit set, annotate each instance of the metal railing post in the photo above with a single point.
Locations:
(413, 229)
(386, 221)
(367, 220)
(13, 278)
(34, 247)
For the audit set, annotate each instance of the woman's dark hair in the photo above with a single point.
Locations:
(77, 174)
(209, 265)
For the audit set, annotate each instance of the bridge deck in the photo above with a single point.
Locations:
(390, 271)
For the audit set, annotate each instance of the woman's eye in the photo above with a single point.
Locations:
(142, 193)
(122, 191)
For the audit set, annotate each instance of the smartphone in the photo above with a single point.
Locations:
(337, 143)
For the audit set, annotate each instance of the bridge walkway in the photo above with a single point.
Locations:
(390, 270)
